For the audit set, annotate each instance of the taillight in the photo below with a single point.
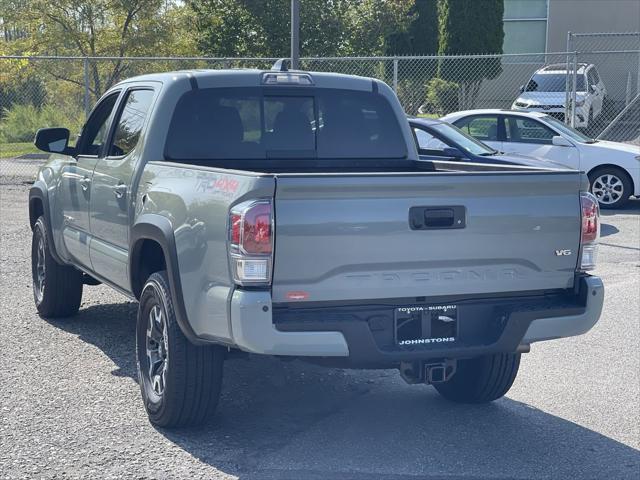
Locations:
(251, 242)
(590, 232)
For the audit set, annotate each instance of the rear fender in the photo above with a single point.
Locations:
(151, 226)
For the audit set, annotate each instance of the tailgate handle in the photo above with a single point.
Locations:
(435, 218)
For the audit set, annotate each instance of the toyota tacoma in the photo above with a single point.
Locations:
(288, 213)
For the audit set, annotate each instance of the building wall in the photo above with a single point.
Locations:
(588, 16)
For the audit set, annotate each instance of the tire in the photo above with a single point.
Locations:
(612, 186)
(482, 379)
(57, 289)
(184, 386)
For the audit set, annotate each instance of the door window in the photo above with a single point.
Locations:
(590, 80)
(527, 130)
(483, 128)
(596, 77)
(132, 118)
(95, 131)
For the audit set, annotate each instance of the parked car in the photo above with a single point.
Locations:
(439, 140)
(288, 213)
(613, 168)
(545, 91)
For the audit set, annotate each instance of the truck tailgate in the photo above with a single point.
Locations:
(352, 237)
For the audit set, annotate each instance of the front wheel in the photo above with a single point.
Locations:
(180, 382)
(57, 289)
(481, 379)
(611, 186)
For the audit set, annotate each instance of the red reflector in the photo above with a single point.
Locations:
(256, 232)
(590, 218)
(297, 295)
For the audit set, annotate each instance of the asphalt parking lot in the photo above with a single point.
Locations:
(70, 405)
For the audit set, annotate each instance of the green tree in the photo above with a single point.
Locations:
(115, 28)
(227, 28)
(419, 38)
(261, 28)
(470, 28)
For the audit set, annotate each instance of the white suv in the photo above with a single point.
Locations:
(545, 92)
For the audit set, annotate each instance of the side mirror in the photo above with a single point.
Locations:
(53, 140)
(452, 152)
(560, 141)
(521, 88)
(593, 88)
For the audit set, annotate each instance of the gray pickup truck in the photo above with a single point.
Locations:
(288, 213)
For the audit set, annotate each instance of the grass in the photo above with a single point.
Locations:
(12, 150)
(428, 115)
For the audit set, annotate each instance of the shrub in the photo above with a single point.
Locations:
(442, 97)
(21, 122)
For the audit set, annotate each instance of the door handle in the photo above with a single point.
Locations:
(120, 190)
(437, 218)
(84, 183)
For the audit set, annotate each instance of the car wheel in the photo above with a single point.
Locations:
(611, 186)
(481, 379)
(180, 382)
(57, 289)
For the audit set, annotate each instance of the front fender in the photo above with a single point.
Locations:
(39, 205)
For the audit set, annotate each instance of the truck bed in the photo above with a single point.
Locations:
(296, 166)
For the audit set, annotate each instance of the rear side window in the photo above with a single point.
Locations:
(250, 123)
(131, 121)
(483, 128)
(525, 130)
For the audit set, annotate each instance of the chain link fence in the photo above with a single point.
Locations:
(617, 57)
(38, 92)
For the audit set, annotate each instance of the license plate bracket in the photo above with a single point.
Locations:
(425, 324)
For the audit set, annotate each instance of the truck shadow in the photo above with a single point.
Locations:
(292, 420)
(631, 208)
(607, 229)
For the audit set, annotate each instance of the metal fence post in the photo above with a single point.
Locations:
(295, 34)
(638, 76)
(87, 100)
(574, 88)
(567, 86)
(395, 74)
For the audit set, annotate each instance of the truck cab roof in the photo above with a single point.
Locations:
(209, 78)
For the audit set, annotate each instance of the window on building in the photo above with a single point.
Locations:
(525, 26)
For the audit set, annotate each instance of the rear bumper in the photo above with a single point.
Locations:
(569, 326)
(363, 335)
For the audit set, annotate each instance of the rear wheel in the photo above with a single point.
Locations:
(180, 382)
(611, 186)
(481, 379)
(57, 289)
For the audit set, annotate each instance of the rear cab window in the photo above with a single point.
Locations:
(255, 123)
